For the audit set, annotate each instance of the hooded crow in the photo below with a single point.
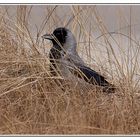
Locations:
(65, 60)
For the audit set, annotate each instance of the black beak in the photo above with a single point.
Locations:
(48, 36)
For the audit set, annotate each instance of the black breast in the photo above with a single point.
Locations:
(54, 57)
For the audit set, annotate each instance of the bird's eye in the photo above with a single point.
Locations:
(58, 33)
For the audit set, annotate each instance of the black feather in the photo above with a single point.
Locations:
(92, 77)
(54, 56)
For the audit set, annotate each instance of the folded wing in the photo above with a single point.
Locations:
(92, 77)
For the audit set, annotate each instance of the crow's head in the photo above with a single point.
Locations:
(62, 38)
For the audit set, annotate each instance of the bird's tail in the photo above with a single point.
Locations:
(109, 88)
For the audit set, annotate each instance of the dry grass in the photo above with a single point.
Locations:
(30, 100)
